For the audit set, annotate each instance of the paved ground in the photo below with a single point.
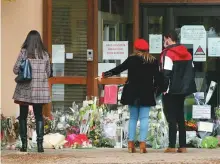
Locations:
(111, 156)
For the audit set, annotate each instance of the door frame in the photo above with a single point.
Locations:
(92, 43)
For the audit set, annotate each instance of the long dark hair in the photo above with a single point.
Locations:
(34, 45)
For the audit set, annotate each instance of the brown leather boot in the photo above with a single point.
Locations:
(143, 147)
(170, 150)
(131, 148)
(182, 150)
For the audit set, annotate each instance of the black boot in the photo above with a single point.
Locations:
(40, 135)
(23, 134)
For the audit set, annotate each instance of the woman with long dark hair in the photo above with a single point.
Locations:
(139, 90)
(36, 92)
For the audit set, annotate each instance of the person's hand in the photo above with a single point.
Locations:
(100, 77)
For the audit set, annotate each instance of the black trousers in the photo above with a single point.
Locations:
(174, 112)
(38, 108)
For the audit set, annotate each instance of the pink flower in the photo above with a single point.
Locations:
(73, 138)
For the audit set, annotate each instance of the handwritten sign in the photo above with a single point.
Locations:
(195, 35)
(201, 112)
(115, 50)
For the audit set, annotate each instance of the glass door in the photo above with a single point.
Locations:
(209, 17)
(157, 19)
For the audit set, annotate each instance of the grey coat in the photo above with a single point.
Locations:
(36, 91)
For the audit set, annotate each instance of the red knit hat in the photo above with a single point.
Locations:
(141, 44)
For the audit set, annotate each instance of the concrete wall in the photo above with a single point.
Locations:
(17, 19)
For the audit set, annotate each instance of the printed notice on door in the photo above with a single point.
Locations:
(58, 53)
(115, 50)
(195, 35)
(155, 42)
(214, 47)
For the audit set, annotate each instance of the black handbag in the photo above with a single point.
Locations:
(51, 70)
(25, 72)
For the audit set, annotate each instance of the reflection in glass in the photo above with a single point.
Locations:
(69, 28)
(155, 24)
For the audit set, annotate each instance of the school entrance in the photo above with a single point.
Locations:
(157, 19)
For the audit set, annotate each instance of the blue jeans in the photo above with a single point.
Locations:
(136, 113)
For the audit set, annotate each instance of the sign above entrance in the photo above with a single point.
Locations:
(195, 35)
(115, 50)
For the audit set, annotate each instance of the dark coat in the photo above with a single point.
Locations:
(143, 79)
(36, 91)
(178, 71)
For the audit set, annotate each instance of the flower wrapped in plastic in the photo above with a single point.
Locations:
(48, 125)
(77, 141)
(9, 132)
(196, 142)
(210, 142)
(109, 125)
(158, 127)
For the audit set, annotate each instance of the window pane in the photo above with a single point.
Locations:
(212, 27)
(64, 95)
(116, 24)
(205, 71)
(69, 28)
(155, 25)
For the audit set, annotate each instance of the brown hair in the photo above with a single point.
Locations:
(146, 56)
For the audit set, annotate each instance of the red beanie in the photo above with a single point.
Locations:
(141, 44)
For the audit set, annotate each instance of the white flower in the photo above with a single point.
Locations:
(60, 126)
(158, 106)
(90, 102)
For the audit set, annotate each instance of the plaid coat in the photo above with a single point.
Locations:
(36, 91)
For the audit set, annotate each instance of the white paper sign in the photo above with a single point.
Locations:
(155, 42)
(115, 50)
(205, 126)
(69, 55)
(58, 53)
(214, 47)
(201, 112)
(195, 35)
(103, 67)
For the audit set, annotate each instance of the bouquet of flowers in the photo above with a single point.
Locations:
(191, 125)
(158, 127)
(210, 142)
(3, 130)
(9, 131)
(97, 137)
(48, 125)
(217, 113)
